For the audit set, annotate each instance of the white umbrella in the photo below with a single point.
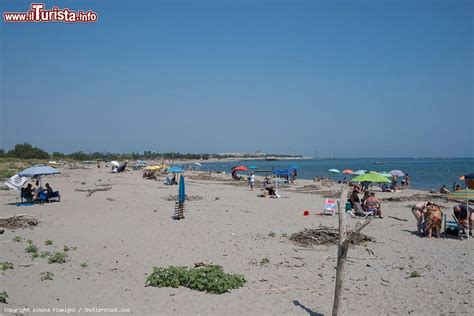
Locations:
(397, 173)
(360, 172)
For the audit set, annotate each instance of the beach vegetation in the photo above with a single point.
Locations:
(264, 261)
(3, 297)
(31, 248)
(57, 257)
(209, 278)
(414, 274)
(44, 254)
(66, 248)
(84, 264)
(6, 265)
(271, 234)
(46, 276)
(48, 242)
(17, 239)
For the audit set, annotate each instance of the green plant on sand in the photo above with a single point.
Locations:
(46, 276)
(17, 239)
(48, 242)
(6, 265)
(3, 297)
(57, 257)
(264, 261)
(209, 278)
(31, 249)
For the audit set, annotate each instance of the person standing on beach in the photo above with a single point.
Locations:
(418, 210)
(251, 180)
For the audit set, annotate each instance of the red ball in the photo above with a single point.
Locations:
(306, 213)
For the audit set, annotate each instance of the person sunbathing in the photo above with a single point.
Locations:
(373, 205)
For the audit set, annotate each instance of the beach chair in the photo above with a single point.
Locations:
(330, 207)
(26, 198)
(54, 197)
(453, 227)
(42, 197)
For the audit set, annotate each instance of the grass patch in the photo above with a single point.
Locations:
(48, 242)
(57, 257)
(31, 249)
(414, 274)
(6, 265)
(210, 278)
(3, 297)
(271, 234)
(44, 254)
(66, 248)
(46, 276)
(264, 261)
(17, 239)
(84, 264)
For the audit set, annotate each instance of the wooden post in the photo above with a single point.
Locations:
(343, 247)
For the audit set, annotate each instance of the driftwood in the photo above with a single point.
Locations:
(399, 219)
(325, 236)
(91, 191)
(343, 248)
(18, 221)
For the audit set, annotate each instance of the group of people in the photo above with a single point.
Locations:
(429, 217)
(444, 189)
(368, 206)
(39, 194)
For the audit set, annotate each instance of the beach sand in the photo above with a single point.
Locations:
(123, 233)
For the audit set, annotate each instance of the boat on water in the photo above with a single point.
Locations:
(270, 158)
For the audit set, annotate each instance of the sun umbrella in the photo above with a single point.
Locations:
(462, 178)
(371, 177)
(114, 163)
(181, 195)
(469, 176)
(252, 167)
(175, 170)
(240, 168)
(347, 171)
(360, 172)
(153, 168)
(334, 171)
(466, 194)
(385, 174)
(37, 171)
(397, 173)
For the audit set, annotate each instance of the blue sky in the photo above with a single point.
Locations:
(362, 78)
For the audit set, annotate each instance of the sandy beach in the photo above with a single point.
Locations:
(123, 233)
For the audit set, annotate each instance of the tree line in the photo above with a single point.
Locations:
(27, 151)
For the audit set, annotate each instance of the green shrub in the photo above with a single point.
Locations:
(3, 297)
(414, 274)
(264, 261)
(48, 242)
(6, 265)
(17, 239)
(210, 278)
(31, 249)
(44, 254)
(46, 276)
(66, 248)
(57, 257)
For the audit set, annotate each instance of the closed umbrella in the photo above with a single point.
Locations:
(181, 195)
(371, 177)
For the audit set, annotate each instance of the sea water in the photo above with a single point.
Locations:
(425, 173)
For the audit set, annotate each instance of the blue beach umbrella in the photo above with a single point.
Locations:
(181, 194)
(37, 171)
(252, 167)
(175, 170)
(295, 167)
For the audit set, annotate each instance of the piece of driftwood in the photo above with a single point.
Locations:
(343, 248)
(398, 218)
(18, 221)
(91, 191)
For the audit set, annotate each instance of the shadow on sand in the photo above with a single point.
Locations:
(309, 311)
